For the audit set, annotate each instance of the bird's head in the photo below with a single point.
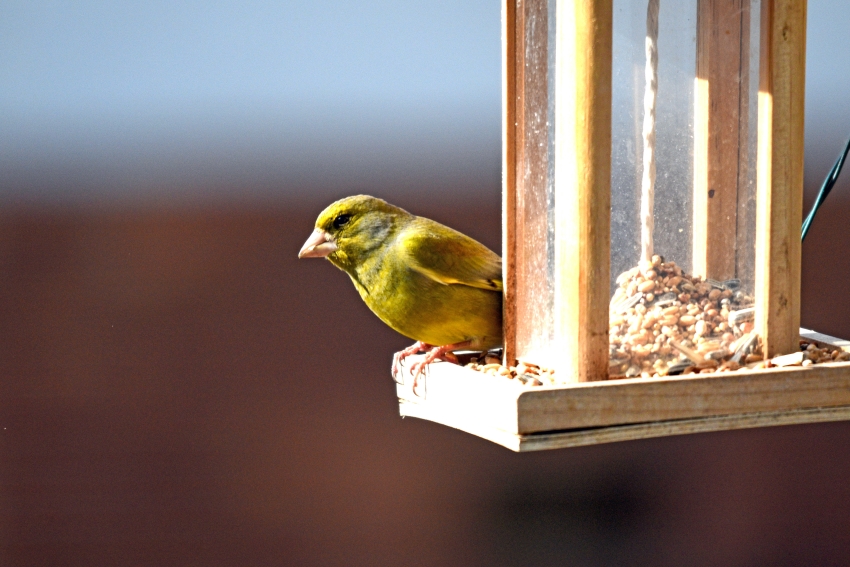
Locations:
(351, 228)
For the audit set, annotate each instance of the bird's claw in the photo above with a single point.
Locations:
(417, 370)
(419, 367)
(398, 359)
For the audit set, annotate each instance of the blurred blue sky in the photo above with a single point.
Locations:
(127, 97)
(132, 99)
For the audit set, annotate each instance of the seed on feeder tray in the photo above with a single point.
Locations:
(708, 364)
(793, 359)
(656, 312)
(707, 346)
(679, 367)
(626, 304)
(665, 299)
(718, 354)
(692, 355)
(618, 297)
(742, 315)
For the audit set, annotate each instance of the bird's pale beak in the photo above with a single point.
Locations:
(319, 245)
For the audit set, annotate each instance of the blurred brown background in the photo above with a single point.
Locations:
(177, 389)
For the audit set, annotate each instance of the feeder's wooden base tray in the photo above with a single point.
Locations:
(524, 418)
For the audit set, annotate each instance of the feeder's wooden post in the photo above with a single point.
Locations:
(780, 173)
(527, 238)
(720, 135)
(509, 177)
(583, 188)
(556, 221)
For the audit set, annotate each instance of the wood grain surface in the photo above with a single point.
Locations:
(780, 173)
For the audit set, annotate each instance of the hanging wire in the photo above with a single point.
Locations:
(827, 186)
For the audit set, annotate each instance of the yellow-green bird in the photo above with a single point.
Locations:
(425, 280)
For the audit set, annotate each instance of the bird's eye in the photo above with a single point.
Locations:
(341, 220)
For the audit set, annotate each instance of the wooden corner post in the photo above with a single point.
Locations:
(583, 188)
(779, 199)
(509, 127)
(720, 136)
(528, 136)
(556, 94)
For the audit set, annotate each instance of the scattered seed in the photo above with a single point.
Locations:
(657, 314)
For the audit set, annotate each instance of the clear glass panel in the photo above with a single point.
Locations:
(674, 132)
(535, 205)
(689, 308)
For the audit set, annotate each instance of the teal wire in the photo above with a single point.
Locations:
(827, 186)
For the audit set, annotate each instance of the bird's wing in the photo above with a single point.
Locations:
(450, 257)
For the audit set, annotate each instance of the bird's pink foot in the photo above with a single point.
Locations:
(402, 354)
(434, 353)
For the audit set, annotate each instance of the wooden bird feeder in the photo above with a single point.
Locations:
(630, 132)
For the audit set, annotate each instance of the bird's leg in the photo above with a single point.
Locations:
(436, 353)
(402, 354)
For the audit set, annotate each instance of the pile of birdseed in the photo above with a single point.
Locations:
(528, 374)
(665, 322)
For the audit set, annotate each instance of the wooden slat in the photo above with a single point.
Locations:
(451, 390)
(528, 298)
(509, 169)
(745, 249)
(583, 188)
(615, 433)
(779, 198)
(628, 401)
(506, 405)
(720, 133)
